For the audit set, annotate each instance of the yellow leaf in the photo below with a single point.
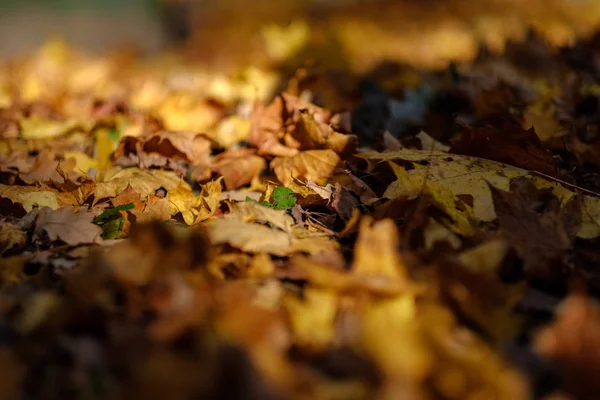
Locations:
(40, 128)
(314, 165)
(182, 200)
(312, 317)
(393, 336)
(232, 130)
(145, 182)
(283, 42)
(29, 196)
(210, 200)
(83, 162)
(447, 176)
(253, 238)
(376, 252)
(105, 146)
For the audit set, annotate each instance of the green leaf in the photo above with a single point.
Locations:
(113, 229)
(112, 211)
(284, 198)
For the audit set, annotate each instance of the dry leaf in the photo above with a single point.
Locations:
(253, 238)
(64, 224)
(238, 168)
(313, 165)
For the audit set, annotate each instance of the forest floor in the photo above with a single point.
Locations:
(295, 230)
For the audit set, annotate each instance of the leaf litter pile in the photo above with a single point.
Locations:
(167, 232)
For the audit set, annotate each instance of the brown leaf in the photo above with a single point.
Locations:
(536, 225)
(510, 145)
(267, 129)
(343, 202)
(238, 167)
(573, 342)
(128, 196)
(156, 209)
(64, 224)
(190, 147)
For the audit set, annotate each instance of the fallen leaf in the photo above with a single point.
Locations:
(449, 177)
(210, 200)
(189, 147)
(250, 237)
(510, 145)
(312, 317)
(30, 197)
(376, 253)
(12, 239)
(238, 168)
(571, 342)
(183, 201)
(40, 128)
(64, 224)
(314, 165)
(156, 209)
(251, 212)
(145, 182)
(536, 225)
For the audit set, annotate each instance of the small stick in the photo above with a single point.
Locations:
(549, 177)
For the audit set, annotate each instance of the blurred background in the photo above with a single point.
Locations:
(229, 32)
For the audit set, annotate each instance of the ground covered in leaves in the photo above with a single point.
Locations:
(298, 233)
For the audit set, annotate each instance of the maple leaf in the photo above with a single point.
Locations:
(67, 225)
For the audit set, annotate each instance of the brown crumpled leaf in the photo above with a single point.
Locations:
(299, 125)
(343, 202)
(314, 134)
(536, 225)
(238, 167)
(64, 224)
(267, 129)
(314, 165)
(573, 342)
(192, 148)
(511, 145)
